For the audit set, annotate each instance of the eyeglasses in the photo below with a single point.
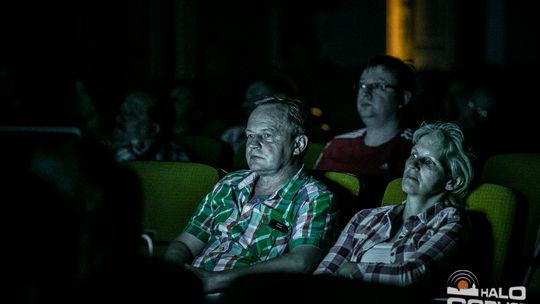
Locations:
(375, 86)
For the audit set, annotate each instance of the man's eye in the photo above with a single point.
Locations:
(249, 135)
(267, 135)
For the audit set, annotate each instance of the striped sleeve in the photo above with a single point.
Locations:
(315, 221)
(342, 250)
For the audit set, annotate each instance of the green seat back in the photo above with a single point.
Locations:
(172, 191)
(393, 193)
(207, 150)
(520, 172)
(348, 181)
(497, 204)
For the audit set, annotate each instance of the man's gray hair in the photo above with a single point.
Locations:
(295, 109)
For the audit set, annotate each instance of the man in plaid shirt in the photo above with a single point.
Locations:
(273, 217)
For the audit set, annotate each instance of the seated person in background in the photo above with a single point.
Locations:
(273, 217)
(413, 241)
(377, 152)
(187, 109)
(144, 131)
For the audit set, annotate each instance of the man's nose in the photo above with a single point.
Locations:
(367, 91)
(254, 141)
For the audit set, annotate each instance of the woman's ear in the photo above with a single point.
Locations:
(300, 144)
(453, 184)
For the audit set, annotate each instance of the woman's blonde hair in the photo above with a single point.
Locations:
(454, 157)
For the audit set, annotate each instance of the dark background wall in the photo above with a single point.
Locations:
(114, 45)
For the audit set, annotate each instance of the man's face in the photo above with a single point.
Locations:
(269, 147)
(374, 103)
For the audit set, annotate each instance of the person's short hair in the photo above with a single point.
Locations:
(454, 158)
(295, 109)
(404, 73)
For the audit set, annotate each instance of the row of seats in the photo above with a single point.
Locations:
(504, 206)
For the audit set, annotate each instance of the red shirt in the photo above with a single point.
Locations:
(349, 153)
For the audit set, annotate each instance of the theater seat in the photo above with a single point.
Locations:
(172, 192)
(207, 150)
(346, 188)
(492, 210)
(521, 173)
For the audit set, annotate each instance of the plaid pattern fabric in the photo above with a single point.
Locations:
(241, 230)
(424, 240)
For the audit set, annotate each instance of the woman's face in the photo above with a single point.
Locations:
(425, 175)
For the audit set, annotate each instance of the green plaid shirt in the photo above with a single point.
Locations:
(241, 230)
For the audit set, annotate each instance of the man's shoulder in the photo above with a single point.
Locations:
(313, 186)
(351, 135)
(235, 177)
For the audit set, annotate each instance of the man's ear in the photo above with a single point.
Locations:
(453, 184)
(406, 99)
(300, 144)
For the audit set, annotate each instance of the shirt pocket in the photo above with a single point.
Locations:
(271, 239)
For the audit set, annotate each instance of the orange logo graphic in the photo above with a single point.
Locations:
(462, 282)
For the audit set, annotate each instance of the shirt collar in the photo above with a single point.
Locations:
(427, 215)
(286, 192)
(424, 217)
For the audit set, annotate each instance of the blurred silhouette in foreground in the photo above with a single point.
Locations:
(74, 221)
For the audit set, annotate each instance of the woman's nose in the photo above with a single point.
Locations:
(414, 164)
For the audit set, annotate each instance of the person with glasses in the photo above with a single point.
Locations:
(377, 152)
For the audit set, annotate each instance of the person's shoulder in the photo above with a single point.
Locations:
(235, 177)
(313, 186)
(452, 211)
(351, 135)
(450, 214)
(234, 131)
(380, 209)
(371, 213)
